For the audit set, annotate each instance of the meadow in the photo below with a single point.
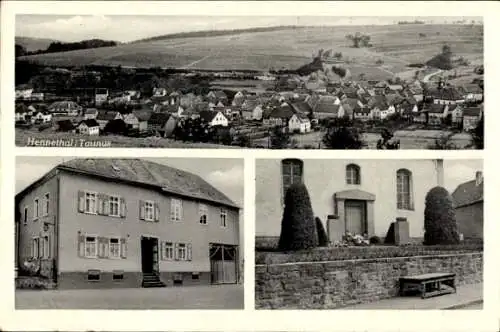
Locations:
(396, 45)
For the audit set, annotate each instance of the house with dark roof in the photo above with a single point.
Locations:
(214, 118)
(90, 113)
(279, 116)
(103, 117)
(445, 95)
(65, 108)
(437, 114)
(162, 123)
(471, 117)
(88, 127)
(299, 122)
(471, 92)
(66, 126)
(106, 223)
(468, 204)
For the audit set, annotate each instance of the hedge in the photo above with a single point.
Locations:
(351, 253)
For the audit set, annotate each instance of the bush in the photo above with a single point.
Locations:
(375, 240)
(439, 218)
(298, 228)
(342, 135)
(322, 236)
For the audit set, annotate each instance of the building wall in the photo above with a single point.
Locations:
(470, 220)
(35, 227)
(325, 177)
(131, 228)
(334, 284)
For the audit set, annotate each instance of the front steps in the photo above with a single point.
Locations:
(150, 280)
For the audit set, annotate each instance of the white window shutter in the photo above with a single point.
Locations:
(123, 249)
(123, 207)
(81, 201)
(180, 210)
(157, 212)
(176, 252)
(100, 204)
(141, 210)
(162, 251)
(189, 252)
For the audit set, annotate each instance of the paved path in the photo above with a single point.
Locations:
(466, 297)
(188, 297)
(428, 76)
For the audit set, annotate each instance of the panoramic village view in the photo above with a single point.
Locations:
(357, 84)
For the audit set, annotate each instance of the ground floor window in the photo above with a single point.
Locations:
(182, 251)
(90, 246)
(168, 251)
(114, 248)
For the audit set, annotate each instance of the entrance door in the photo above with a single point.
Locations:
(355, 217)
(149, 254)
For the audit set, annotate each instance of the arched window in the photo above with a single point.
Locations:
(291, 172)
(353, 174)
(404, 190)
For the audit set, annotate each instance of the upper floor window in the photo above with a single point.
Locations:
(353, 174)
(25, 216)
(203, 214)
(46, 247)
(149, 210)
(292, 172)
(36, 212)
(114, 206)
(404, 190)
(223, 218)
(176, 210)
(90, 203)
(46, 204)
(35, 246)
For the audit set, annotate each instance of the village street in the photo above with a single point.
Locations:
(193, 297)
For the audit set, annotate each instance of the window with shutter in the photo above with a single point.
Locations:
(114, 206)
(149, 210)
(91, 246)
(114, 248)
(169, 250)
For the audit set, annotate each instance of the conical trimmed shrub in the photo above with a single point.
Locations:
(322, 236)
(440, 222)
(298, 228)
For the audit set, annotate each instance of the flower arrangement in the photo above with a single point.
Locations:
(349, 239)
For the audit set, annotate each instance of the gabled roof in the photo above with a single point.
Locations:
(106, 115)
(136, 171)
(64, 105)
(158, 118)
(89, 111)
(301, 107)
(436, 108)
(378, 101)
(472, 111)
(468, 193)
(89, 123)
(142, 115)
(284, 111)
(208, 116)
(446, 93)
(22, 108)
(472, 88)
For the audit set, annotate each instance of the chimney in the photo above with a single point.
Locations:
(479, 178)
(439, 172)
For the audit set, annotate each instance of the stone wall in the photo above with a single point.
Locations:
(334, 284)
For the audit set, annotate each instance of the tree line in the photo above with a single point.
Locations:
(64, 47)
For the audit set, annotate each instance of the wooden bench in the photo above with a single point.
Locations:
(430, 284)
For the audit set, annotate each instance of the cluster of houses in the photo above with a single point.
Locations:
(298, 108)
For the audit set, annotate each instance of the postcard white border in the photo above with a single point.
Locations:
(250, 319)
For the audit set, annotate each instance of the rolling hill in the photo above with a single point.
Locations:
(34, 44)
(395, 45)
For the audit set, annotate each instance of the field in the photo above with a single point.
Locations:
(396, 45)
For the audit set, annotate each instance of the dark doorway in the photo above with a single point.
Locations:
(149, 254)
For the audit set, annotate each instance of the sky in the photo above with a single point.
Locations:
(224, 174)
(125, 28)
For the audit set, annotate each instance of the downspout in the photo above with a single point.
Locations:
(56, 230)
